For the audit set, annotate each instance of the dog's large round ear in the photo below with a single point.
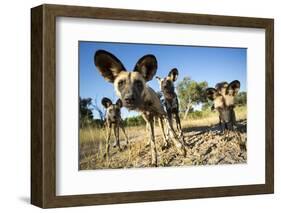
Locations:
(159, 79)
(108, 65)
(233, 88)
(221, 87)
(146, 66)
(106, 102)
(119, 103)
(173, 74)
(211, 93)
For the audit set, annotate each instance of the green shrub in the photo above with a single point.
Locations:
(134, 121)
(200, 114)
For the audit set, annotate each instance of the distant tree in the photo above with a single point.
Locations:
(191, 109)
(206, 106)
(86, 114)
(190, 93)
(241, 98)
(134, 121)
(86, 108)
(99, 110)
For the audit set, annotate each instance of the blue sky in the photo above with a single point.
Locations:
(211, 64)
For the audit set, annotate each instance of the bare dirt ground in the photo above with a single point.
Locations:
(205, 145)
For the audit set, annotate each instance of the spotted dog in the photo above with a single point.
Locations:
(132, 89)
(113, 121)
(170, 99)
(223, 101)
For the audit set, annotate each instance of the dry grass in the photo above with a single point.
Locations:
(204, 145)
(213, 118)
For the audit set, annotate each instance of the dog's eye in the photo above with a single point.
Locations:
(121, 83)
(139, 84)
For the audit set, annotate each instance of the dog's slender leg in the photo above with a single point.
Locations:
(178, 122)
(124, 132)
(147, 128)
(170, 124)
(233, 120)
(178, 144)
(222, 125)
(165, 138)
(127, 139)
(170, 117)
(150, 126)
(152, 143)
(108, 141)
(128, 144)
(167, 129)
(116, 134)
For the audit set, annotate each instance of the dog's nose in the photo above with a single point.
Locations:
(114, 117)
(129, 99)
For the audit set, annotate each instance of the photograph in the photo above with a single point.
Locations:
(158, 105)
(145, 105)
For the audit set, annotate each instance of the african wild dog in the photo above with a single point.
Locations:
(135, 94)
(113, 121)
(171, 102)
(223, 98)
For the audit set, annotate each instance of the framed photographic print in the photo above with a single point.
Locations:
(136, 106)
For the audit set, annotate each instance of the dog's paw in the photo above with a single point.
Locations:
(153, 164)
(165, 146)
